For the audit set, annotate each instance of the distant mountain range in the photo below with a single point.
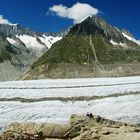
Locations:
(92, 48)
(20, 47)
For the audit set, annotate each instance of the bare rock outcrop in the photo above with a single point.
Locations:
(78, 128)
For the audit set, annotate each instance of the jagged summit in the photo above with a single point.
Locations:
(10, 30)
(87, 27)
(99, 27)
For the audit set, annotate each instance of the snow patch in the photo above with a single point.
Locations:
(114, 43)
(118, 44)
(11, 41)
(131, 39)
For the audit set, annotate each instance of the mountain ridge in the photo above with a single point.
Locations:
(20, 47)
(113, 46)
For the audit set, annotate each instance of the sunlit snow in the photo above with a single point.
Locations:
(123, 108)
(30, 41)
(118, 44)
(131, 39)
(11, 41)
(49, 40)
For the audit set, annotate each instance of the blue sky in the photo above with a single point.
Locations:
(33, 13)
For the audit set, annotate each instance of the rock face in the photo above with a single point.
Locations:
(92, 48)
(79, 128)
(19, 48)
(98, 26)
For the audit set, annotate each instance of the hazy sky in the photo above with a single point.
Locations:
(55, 15)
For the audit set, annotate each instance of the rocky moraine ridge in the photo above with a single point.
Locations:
(79, 128)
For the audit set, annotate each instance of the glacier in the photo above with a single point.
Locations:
(121, 108)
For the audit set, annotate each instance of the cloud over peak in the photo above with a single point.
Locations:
(78, 12)
(5, 21)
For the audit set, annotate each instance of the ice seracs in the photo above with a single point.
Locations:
(37, 44)
(49, 40)
(30, 41)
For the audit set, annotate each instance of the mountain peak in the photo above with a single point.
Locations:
(87, 27)
(97, 26)
(91, 48)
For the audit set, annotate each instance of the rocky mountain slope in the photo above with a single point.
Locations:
(19, 48)
(92, 48)
(79, 128)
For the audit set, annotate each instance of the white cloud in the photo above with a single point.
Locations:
(5, 21)
(78, 12)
